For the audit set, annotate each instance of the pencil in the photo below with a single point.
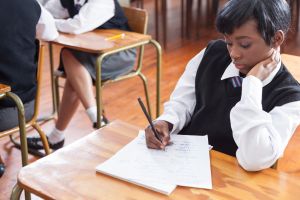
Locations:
(149, 119)
(122, 35)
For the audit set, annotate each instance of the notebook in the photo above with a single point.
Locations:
(185, 163)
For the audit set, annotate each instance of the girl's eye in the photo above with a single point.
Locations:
(245, 46)
(229, 44)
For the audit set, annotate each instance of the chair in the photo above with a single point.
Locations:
(138, 21)
(33, 122)
(5, 92)
(138, 3)
(295, 4)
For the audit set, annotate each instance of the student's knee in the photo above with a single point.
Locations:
(66, 53)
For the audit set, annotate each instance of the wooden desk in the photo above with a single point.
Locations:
(69, 173)
(95, 42)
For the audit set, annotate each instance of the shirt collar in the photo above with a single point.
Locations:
(232, 71)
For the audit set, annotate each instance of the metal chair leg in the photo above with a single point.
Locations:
(43, 138)
(99, 89)
(158, 74)
(144, 79)
(16, 193)
(23, 141)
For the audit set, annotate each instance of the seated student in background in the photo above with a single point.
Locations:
(21, 21)
(80, 16)
(237, 90)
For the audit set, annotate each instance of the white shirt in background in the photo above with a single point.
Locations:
(46, 29)
(91, 15)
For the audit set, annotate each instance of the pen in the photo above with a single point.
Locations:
(122, 35)
(149, 119)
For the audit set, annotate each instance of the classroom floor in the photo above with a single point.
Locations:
(120, 98)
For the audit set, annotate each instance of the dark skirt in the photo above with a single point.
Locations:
(9, 116)
(112, 66)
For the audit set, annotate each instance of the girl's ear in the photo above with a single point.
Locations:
(278, 39)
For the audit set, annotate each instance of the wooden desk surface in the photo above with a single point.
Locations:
(4, 88)
(95, 41)
(70, 173)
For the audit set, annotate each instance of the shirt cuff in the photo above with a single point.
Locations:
(171, 119)
(252, 90)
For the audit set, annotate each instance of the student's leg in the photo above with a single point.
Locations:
(79, 78)
(56, 138)
(68, 106)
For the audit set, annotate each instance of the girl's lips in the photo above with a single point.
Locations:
(239, 65)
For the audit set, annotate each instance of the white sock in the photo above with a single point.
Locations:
(55, 136)
(92, 113)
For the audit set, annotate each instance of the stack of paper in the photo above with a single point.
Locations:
(185, 163)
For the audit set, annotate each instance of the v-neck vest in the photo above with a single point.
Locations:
(215, 97)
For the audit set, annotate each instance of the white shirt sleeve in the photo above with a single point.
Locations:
(92, 14)
(261, 137)
(179, 109)
(56, 9)
(46, 29)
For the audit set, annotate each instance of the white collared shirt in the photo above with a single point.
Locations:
(91, 15)
(261, 137)
(45, 28)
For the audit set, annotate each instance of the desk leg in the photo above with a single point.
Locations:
(54, 96)
(99, 89)
(156, 20)
(158, 74)
(16, 193)
(164, 13)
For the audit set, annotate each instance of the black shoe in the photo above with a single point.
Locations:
(104, 122)
(36, 143)
(2, 169)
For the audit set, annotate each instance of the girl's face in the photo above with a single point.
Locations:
(247, 47)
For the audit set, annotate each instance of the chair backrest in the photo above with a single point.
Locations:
(40, 63)
(40, 58)
(137, 19)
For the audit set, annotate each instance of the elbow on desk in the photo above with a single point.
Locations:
(254, 162)
(48, 37)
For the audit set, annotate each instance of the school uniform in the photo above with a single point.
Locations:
(79, 16)
(21, 21)
(244, 117)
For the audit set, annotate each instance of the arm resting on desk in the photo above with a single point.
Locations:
(261, 137)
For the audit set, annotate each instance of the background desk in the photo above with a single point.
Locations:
(95, 42)
(69, 173)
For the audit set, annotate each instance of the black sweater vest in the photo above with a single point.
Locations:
(215, 98)
(18, 19)
(118, 21)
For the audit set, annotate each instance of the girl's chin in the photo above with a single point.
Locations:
(243, 69)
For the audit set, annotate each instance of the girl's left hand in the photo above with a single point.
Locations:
(264, 68)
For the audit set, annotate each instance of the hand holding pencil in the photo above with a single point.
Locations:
(157, 133)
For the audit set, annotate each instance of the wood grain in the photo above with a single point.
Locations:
(95, 41)
(119, 99)
(70, 174)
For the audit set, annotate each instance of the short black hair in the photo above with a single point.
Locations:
(270, 16)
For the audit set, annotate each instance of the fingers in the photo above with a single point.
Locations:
(163, 132)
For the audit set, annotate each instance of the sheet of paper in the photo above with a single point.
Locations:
(186, 162)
